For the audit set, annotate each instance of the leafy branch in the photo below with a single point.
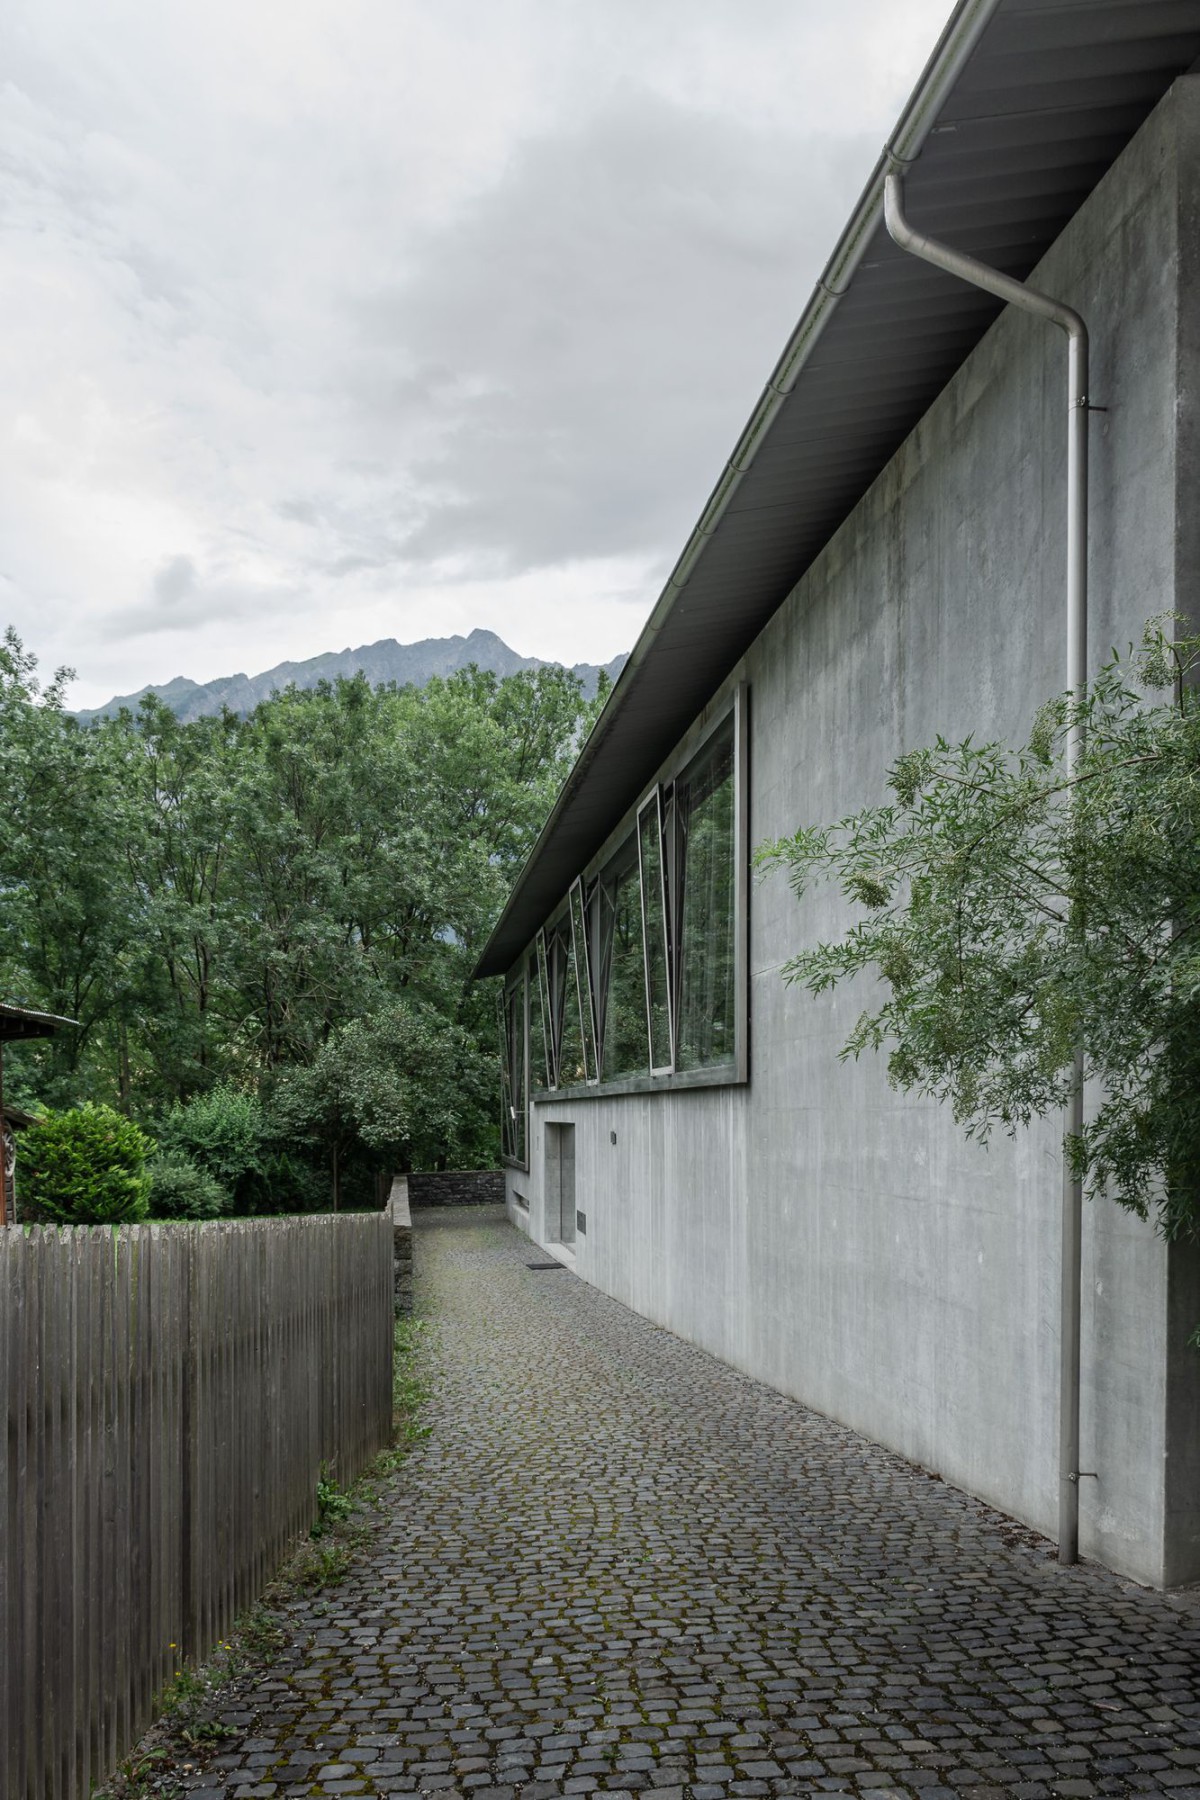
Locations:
(1011, 910)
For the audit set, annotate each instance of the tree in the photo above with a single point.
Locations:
(85, 1166)
(218, 901)
(65, 931)
(1010, 912)
(381, 1092)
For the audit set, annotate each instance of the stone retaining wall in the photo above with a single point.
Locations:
(457, 1187)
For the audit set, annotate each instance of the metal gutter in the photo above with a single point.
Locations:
(951, 53)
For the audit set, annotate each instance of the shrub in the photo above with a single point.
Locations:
(181, 1189)
(225, 1131)
(85, 1166)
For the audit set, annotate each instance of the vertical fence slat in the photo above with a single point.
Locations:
(172, 1392)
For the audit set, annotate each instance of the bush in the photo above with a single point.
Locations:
(181, 1189)
(226, 1132)
(85, 1166)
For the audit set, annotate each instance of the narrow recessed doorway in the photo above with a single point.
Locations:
(560, 1184)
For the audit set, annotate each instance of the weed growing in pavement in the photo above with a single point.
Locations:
(333, 1503)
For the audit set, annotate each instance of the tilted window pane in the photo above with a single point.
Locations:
(654, 935)
(558, 969)
(582, 974)
(506, 1098)
(600, 940)
(626, 1048)
(571, 1067)
(518, 1099)
(543, 1039)
(707, 929)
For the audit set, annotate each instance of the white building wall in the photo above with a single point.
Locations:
(824, 1233)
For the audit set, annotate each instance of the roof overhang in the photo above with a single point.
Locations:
(19, 1023)
(1021, 109)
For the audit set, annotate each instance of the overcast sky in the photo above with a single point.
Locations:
(335, 320)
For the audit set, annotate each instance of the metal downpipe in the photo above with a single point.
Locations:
(1016, 293)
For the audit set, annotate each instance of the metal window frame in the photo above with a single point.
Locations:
(739, 1061)
(733, 701)
(583, 961)
(542, 961)
(655, 799)
(508, 991)
(624, 853)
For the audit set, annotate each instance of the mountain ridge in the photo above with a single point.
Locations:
(383, 661)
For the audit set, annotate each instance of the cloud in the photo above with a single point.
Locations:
(593, 331)
(401, 319)
(175, 581)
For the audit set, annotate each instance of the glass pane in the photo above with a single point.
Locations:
(518, 1099)
(654, 935)
(600, 942)
(506, 1107)
(579, 944)
(543, 1074)
(706, 975)
(571, 1067)
(626, 1048)
(557, 944)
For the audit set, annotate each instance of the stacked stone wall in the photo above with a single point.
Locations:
(457, 1187)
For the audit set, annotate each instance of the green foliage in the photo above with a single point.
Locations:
(226, 1133)
(218, 902)
(85, 1166)
(383, 1092)
(333, 1503)
(1011, 912)
(182, 1189)
(410, 1390)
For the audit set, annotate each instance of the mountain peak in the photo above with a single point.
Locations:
(385, 661)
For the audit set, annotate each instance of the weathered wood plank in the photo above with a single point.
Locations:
(172, 1392)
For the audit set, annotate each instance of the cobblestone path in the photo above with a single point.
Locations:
(616, 1564)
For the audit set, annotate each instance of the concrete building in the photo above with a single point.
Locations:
(884, 560)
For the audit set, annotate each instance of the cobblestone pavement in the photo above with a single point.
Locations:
(617, 1564)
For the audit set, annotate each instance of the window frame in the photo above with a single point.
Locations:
(518, 977)
(733, 702)
(656, 798)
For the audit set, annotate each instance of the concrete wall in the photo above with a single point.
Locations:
(835, 1238)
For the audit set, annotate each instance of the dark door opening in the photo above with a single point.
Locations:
(560, 1184)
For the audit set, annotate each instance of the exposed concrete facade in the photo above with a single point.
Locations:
(815, 1228)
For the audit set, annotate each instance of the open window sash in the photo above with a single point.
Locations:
(515, 1019)
(585, 982)
(549, 1045)
(506, 1098)
(654, 865)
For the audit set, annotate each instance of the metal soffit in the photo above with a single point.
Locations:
(1039, 107)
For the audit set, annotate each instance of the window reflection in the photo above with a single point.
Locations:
(705, 799)
(654, 931)
(513, 1085)
(625, 1048)
(637, 974)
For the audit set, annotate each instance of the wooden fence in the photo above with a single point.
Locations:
(172, 1391)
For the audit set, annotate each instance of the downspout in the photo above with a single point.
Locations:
(967, 268)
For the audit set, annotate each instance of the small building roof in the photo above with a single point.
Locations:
(1021, 109)
(20, 1022)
